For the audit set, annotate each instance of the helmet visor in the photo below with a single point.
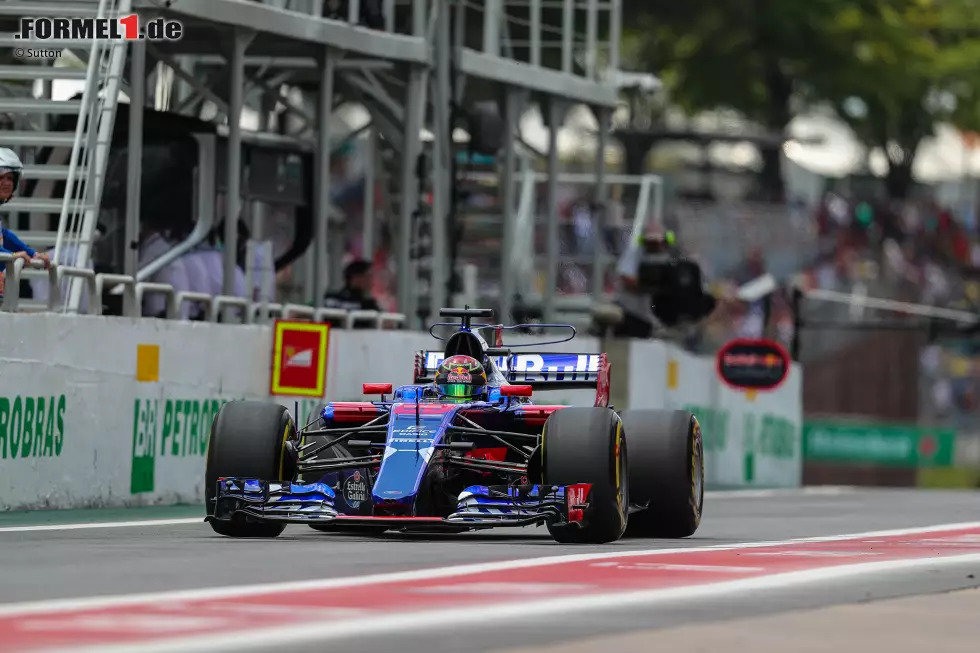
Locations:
(456, 389)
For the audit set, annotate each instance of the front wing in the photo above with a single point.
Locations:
(478, 506)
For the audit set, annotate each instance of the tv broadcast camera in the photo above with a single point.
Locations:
(676, 286)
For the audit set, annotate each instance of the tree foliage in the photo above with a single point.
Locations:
(907, 63)
(912, 66)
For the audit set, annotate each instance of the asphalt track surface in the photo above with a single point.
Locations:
(58, 563)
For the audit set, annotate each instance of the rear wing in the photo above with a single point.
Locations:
(545, 371)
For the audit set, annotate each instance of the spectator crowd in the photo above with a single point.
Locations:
(914, 251)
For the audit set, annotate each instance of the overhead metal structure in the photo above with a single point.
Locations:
(403, 69)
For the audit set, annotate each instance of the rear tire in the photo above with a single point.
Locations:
(586, 445)
(248, 440)
(666, 472)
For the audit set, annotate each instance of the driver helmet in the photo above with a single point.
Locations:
(10, 164)
(461, 377)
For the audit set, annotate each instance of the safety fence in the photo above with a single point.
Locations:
(225, 308)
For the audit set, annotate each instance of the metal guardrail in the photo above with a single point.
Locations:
(261, 313)
(298, 310)
(11, 299)
(144, 288)
(203, 300)
(877, 303)
(132, 296)
(87, 275)
(213, 306)
(221, 302)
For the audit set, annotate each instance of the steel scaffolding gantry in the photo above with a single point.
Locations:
(502, 42)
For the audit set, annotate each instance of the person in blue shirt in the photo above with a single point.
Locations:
(11, 170)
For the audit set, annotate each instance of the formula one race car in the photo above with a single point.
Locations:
(462, 448)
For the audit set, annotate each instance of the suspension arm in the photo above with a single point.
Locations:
(502, 434)
(483, 466)
(348, 463)
(496, 435)
(371, 430)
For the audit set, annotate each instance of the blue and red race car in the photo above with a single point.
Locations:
(421, 461)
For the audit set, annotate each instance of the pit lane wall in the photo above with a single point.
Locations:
(109, 411)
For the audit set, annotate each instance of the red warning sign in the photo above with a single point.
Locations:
(299, 359)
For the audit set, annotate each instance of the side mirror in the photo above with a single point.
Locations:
(515, 391)
(376, 388)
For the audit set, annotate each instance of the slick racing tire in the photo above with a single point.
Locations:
(249, 440)
(586, 445)
(666, 472)
(339, 452)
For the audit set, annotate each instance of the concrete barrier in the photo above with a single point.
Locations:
(110, 411)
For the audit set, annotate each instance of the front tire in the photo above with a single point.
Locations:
(666, 472)
(248, 440)
(586, 445)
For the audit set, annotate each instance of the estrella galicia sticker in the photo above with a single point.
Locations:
(355, 490)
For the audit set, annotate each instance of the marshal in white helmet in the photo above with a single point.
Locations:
(11, 171)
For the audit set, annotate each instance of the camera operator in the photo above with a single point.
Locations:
(659, 288)
(635, 300)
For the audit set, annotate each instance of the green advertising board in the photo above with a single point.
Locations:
(175, 428)
(899, 446)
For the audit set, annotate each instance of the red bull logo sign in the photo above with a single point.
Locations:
(753, 364)
(459, 375)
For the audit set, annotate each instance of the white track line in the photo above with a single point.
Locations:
(277, 637)
(103, 524)
(214, 593)
(715, 494)
(750, 493)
